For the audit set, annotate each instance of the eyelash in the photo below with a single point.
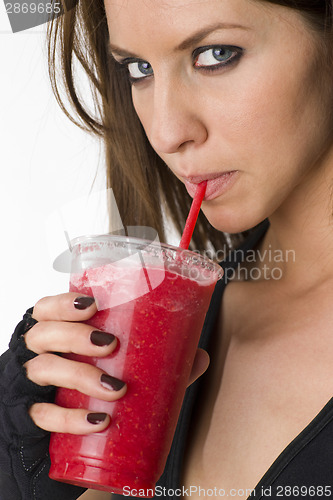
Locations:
(238, 52)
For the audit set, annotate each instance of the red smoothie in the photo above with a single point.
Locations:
(158, 334)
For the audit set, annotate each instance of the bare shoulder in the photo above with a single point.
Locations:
(95, 495)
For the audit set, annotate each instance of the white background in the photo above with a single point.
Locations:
(46, 161)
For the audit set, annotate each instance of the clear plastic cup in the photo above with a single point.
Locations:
(154, 298)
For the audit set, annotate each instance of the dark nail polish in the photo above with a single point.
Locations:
(83, 302)
(111, 383)
(101, 338)
(96, 418)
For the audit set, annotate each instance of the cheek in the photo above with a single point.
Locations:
(276, 120)
(143, 104)
(273, 130)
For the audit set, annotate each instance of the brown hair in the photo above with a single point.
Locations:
(142, 183)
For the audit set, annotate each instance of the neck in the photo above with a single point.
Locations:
(299, 241)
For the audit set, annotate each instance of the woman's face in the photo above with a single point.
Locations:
(227, 86)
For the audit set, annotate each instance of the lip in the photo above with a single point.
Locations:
(217, 184)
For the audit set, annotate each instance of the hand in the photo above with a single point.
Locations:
(59, 330)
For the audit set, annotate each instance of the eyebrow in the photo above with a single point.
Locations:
(185, 44)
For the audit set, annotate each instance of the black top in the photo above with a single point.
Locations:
(305, 467)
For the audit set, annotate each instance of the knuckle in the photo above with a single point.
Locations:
(39, 412)
(37, 368)
(32, 336)
(62, 306)
(80, 371)
(84, 378)
(30, 367)
(53, 307)
(65, 300)
(67, 420)
(80, 337)
(39, 307)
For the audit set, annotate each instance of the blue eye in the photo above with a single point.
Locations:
(139, 69)
(208, 57)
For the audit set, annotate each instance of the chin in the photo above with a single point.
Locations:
(232, 221)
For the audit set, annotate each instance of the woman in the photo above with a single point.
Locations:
(240, 93)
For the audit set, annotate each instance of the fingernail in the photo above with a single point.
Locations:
(83, 302)
(111, 383)
(101, 338)
(96, 418)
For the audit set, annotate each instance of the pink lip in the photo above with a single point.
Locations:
(217, 184)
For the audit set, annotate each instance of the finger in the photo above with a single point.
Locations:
(200, 365)
(61, 336)
(53, 418)
(50, 369)
(70, 306)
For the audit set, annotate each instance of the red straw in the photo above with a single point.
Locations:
(193, 215)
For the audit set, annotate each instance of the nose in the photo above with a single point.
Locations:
(176, 122)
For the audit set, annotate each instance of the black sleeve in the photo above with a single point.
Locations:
(24, 455)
